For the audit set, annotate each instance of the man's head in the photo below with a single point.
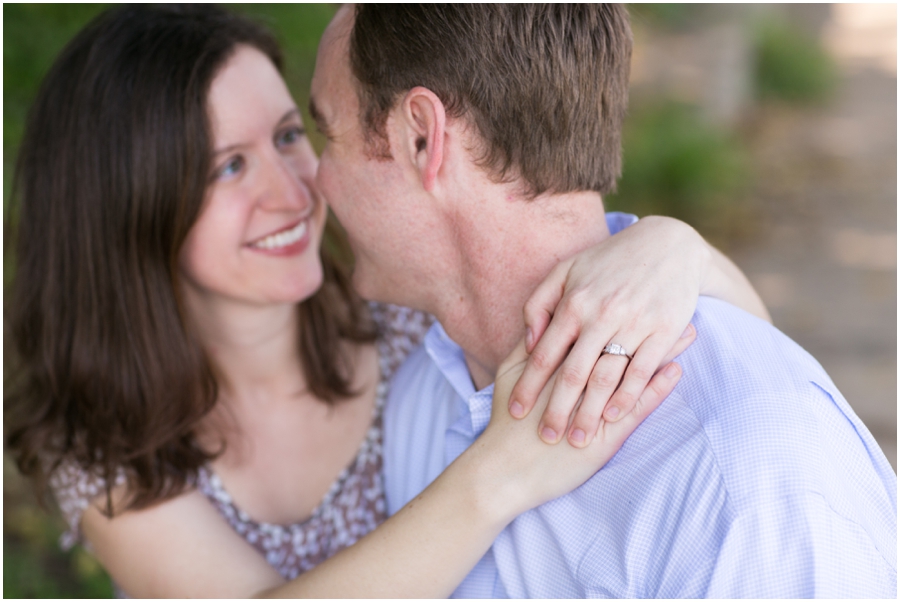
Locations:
(545, 85)
(433, 113)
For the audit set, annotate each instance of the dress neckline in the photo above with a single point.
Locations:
(212, 486)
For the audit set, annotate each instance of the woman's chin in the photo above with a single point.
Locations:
(302, 288)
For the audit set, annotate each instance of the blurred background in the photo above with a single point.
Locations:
(770, 128)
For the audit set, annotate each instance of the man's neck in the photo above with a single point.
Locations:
(505, 253)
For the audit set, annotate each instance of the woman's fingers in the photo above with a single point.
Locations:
(546, 357)
(508, 374)
(603, 382)
(570, 384)
(653, 353)
(659, 387)
(541, 306)
(606, 380)
(686, 339)
(608, 398)
(646, 361)
(590, 372)
(588, 389)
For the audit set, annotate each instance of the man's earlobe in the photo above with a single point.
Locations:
(425, 120)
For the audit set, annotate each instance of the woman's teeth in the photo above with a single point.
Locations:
(282, 239)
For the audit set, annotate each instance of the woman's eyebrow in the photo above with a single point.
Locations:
(289, 115)
(227, 149)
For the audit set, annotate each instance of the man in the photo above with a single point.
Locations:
(469, 147)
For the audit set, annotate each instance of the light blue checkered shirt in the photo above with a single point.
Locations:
(753, 479)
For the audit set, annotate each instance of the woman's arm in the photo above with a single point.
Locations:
(428, 547)
(639, 289)
(183, 547)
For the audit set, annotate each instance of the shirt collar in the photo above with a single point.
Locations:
(473, 407)
(617, 221)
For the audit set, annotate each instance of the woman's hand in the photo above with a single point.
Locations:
(523, 470)
(638, 289)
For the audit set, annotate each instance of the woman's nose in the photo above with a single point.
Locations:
(282, 188)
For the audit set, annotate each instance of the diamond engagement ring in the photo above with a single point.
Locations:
(616, 349)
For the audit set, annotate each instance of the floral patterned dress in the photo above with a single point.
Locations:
(353, 506)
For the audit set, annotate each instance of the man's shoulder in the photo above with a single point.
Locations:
(746, 380)
(738, 351)
(755, 433)
(766, 407)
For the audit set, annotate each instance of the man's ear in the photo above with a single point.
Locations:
(424, 119)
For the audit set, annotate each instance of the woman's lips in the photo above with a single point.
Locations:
(289, 241)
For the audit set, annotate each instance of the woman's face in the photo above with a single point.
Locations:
(257, 237)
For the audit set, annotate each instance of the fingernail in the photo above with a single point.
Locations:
(529, 338)
(548, 434)
(687, 332)
(671, 371)
(577, 436)
(612, 412)
(516, 409)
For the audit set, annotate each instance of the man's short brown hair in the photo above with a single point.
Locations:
(546, 85)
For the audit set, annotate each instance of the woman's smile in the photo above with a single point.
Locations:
(287, 241)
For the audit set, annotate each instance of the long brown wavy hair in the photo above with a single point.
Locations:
(101, 367)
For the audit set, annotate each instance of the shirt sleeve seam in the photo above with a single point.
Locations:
(730, 513)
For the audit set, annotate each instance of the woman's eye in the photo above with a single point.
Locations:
(230, 168)
(289, 136)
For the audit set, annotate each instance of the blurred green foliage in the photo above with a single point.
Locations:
(33, 565)
(668, 15)
(791, 65)
(33, 34)
(677, 164)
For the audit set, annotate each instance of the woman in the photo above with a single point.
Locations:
(184, 354)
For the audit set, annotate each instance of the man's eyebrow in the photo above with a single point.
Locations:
(317, 116)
